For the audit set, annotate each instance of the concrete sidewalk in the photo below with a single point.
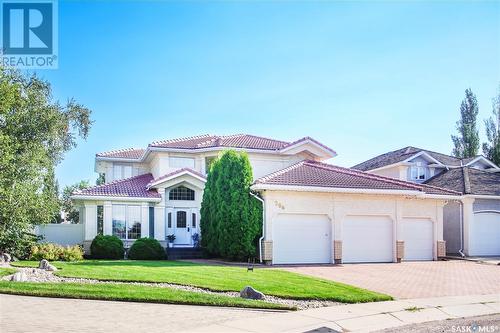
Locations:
(364, 317)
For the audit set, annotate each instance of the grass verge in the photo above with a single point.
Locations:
(6, 271)
(270, 281)
(121, 292)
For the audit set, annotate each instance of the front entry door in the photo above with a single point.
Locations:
(182, 228)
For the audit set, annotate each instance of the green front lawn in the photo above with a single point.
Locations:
(270, 281)
(136, 293)
(6, 271)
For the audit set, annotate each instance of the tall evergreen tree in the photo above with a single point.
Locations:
(492, 148)
(467, 141)
(230, 216)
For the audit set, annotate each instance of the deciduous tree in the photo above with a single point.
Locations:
(492, 148)
(35, 132)
(467, 141)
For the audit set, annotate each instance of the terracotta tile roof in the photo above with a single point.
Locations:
(468, 181)
(403, 154)
(312, 173)
(134, 187)
(230, 141)
(176, 172)
(129, 153)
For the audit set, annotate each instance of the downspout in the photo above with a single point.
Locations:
(461, 229)
(263, 224)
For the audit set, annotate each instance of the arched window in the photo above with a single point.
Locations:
(181, 193)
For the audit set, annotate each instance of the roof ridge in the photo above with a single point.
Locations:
(366, 175)
(182, 139)
(111, 183)
(279, 172)
(122, 150)
(467, 187)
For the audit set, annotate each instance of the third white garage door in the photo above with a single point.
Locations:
(302, 239)
(367, 239)
(485, 234)
(418, 235)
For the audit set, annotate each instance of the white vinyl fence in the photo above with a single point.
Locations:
(62, 234)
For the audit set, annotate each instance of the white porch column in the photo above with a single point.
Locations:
(160, 217)
(90, 221)
(107, 218)
(144, 219)
(468, 222)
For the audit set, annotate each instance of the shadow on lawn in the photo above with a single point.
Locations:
(134, 263)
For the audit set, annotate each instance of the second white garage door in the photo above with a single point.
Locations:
(418, 235)
(302, 239)
(485, 234)
(367, 239)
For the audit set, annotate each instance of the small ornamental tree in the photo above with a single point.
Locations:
(230, 216)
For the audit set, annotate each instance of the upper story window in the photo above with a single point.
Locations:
(122, 171)
(418, 171)
(181, 193)
(181, 162)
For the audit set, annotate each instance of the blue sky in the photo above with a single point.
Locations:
(362, 77)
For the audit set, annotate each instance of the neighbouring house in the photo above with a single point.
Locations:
(471, 223)
(313, 212)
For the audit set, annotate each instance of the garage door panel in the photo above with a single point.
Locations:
(418, 237)
(302, 239)
(485, 234)
(367, 239)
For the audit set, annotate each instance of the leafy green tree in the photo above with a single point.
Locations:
(230, 216)
(100, 179)
(35, 132)
(492, 148)
(72, 214)
(467, 141)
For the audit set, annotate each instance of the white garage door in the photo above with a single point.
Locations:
(301, 239)
(367, 239)
(418, 235)
(485, 234)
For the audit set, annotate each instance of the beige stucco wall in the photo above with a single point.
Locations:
(337, 206)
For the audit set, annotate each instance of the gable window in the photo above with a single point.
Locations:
(126, 221)
(121, 171)
(181, 193)
(181, 162)
(418, 171)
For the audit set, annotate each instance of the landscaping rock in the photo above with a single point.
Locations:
(19, 277)
(5, 258)
(43, 264)
(51, 268)
(250, 293)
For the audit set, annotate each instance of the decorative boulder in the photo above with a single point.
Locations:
(250, 293)
(43, 264)
(19, 277)
(5, 258)
(51, 268)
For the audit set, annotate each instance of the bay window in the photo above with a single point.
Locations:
(126, 221)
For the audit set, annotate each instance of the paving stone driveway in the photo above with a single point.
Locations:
(414, 279)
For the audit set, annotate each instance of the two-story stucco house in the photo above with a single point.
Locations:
(313, 212)
(471, 223)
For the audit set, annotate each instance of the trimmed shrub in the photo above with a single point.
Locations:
(146, 249)
(107, 247)
(52, 252)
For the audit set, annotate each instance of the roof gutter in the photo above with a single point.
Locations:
(111, 198)
(296, 188)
